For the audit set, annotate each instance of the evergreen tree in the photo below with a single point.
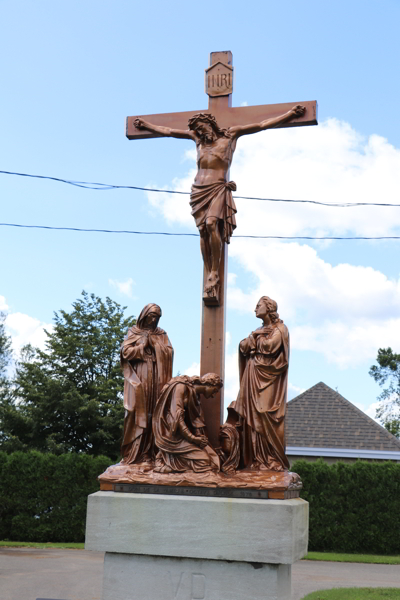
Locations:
(68, 397)
(5, 361)
(5, 357)
(388, 371)
(5, 347)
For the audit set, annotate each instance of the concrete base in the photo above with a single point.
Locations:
(195, 548)
(133, 577)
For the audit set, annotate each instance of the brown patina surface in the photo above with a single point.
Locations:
(215, 151)
(257, 480)
(146, 362)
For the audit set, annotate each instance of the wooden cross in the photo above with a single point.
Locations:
(219, 87)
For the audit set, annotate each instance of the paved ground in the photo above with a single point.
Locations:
(29, 573)
(309, 576)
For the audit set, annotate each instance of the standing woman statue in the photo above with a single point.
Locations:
(146, 361)
(259, 411)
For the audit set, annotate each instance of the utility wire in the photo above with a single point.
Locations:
(108, 186)
(263, 237)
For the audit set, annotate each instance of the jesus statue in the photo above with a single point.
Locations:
(213, 207)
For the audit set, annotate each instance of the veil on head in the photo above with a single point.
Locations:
(146, 311)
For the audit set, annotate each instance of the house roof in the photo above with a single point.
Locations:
(320, 417)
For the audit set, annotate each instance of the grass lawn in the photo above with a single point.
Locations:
(357, 558)
(38, 545)
(356, 594)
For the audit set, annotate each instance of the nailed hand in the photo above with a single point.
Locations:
(298, 111)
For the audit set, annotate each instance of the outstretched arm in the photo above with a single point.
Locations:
(296, 112)
(164, 131)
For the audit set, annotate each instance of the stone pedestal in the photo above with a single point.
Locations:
(196, 548)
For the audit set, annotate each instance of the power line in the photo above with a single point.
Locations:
(262, 237)
(108, 186)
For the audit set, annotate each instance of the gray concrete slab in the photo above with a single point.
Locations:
(29, 573)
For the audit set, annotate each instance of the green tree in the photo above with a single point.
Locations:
(388, 371)
(68, 397)
(5, 383)
(5, 347)
(5, 357)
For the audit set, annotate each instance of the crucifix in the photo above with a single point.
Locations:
(215, 132)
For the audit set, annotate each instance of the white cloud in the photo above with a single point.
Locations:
(231, 382)
(3, 303)
(294, 390)
(244, 103)
(228, 338)
(175, 207)
(344, 311)
(124, 287)
(329, 163)
(369, 410)
(24, 329)
(194, 369)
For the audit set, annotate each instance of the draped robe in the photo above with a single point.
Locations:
(261, 403)
(145, 372)
(178, 420)
(215, 200)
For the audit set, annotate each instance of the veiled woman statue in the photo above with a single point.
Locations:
(259, 411)
(146, 361)
(179, 427)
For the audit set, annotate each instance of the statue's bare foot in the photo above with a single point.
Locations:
(212, 281)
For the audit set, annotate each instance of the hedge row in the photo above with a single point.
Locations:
(354, 507)
(43, 497)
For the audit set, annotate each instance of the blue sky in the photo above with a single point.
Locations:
(72, 72)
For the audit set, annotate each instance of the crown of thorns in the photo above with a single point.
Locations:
(203, 118)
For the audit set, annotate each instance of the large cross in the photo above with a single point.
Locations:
(219, 87)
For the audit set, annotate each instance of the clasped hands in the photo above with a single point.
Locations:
(201, 441)
(147, 344)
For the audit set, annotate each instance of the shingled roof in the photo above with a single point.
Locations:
(322, 418)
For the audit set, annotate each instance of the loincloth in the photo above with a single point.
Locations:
(215, 200)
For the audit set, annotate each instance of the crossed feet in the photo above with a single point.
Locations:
(212, 282)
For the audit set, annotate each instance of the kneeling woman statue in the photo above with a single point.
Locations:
(179, 427)
(259, 411)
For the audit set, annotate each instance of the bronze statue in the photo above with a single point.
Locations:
(213, 207)
(179, 427)
(259, 411)
(146, 361)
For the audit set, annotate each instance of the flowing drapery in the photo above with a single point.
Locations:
(146, 371)
(178, 420)
(215, 200)
(261, 403)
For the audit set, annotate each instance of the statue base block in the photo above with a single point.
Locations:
(128, 577)
(161, 547)
(281, 485)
